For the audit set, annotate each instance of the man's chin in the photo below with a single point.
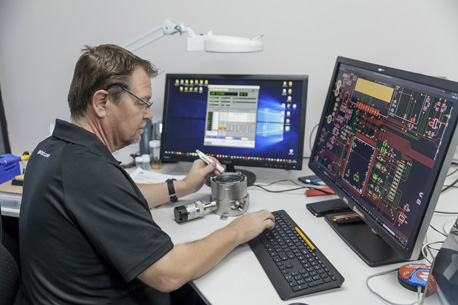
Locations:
(137, 137)
(136, 140)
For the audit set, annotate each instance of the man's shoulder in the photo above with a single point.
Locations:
(76, 157)
(85, 164)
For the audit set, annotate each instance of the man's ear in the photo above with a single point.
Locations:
(99, 103)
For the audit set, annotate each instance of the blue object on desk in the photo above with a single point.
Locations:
(9, 167)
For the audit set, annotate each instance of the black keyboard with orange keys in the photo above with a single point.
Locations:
(293, 264)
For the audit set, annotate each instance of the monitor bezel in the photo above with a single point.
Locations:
(439, 172)
(239, 162)
(6, 148)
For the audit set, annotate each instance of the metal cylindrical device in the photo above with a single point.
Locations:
(229, 190)
(193, 210)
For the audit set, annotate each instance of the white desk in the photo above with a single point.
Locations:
(240, 279)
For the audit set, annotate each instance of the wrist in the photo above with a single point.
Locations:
(171, 189)
(180, 188)
(234, 233)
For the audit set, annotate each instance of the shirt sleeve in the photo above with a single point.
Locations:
(114, 215)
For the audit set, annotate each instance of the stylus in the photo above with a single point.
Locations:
(347, 218)
(208, 161)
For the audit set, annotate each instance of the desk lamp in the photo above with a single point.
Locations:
(208, 42)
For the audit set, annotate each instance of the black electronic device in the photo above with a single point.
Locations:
(294, 264)
(384, 144)
(322, 208)
(242, 120)
(310, 179)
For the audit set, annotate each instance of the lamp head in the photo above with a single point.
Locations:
(224, 44)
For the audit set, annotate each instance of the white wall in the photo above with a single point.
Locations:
(41, 40)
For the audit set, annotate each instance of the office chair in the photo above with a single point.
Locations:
(9, 274)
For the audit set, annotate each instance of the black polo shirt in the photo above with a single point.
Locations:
(86, 231)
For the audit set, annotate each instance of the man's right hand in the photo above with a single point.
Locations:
(252, 224)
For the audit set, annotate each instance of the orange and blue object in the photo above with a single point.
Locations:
(10, 167)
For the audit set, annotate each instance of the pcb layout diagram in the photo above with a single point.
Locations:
(379, 137)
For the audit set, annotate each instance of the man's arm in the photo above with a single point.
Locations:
(158, 194)
(186, 262)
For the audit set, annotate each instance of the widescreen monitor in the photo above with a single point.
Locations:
(384, 144)
(242, 120)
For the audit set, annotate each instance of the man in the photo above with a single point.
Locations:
(86, 231)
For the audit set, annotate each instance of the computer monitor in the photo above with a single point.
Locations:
(246, 120)
(384, 144)
(4, 139)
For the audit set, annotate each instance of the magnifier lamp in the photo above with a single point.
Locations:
(208, 42)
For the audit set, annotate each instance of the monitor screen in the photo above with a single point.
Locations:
(246, 120)
(384, 144)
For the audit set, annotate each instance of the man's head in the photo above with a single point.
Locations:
(105, 67)
(110, 94)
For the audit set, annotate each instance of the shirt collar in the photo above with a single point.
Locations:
(74, 134)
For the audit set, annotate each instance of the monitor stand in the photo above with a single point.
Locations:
(372, 249)
(250, 176)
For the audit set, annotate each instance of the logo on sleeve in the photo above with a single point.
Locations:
(42, 153)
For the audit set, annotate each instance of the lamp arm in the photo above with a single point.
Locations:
(137, 39)
(168, 27)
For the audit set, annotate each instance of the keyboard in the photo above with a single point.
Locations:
(293, 264)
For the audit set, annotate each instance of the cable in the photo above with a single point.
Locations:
(449, 186)
(263, 187)
(446, 187)
(310, 137)
(446, 224)
(447, 213)
(280, 191)
(435, 249)
(383, 298)
(456, 170)
(424, 248)
(437, 230)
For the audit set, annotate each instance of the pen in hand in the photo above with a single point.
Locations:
(208, 161)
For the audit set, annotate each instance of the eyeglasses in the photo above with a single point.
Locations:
(145, 105)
